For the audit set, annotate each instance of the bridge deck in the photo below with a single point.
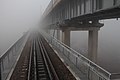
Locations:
(65, 12)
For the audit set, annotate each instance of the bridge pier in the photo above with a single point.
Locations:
(93, 44)
(93, 40)
(66, 36)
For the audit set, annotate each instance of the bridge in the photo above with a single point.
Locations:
(39, 55)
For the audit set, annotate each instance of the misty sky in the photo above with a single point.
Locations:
(16, 17)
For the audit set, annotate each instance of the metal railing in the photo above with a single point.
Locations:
(10, 57)
(89, 69)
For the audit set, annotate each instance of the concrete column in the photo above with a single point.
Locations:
(58, 34)
(93, 45)
(66, 37)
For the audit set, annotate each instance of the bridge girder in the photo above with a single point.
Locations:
(82, 10)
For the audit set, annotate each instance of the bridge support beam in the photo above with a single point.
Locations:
(66, 36)
(93, 44)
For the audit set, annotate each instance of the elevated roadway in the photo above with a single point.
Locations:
(78, 11)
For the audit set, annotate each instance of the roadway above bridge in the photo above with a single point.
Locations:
(80, 11)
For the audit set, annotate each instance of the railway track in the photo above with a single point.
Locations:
(40, 66)
(38, 61)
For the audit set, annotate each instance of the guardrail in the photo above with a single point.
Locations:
(89, 69)
(10, 57)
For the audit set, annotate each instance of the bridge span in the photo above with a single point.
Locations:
(79, 15)
(63, 16)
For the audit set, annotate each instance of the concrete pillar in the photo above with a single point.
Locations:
(58, 34)
(66, 37)
(93, 45)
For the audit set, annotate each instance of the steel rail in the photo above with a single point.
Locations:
(46, 64)
(35, 68)
(49, 61)
(38, 52)
(29, 64)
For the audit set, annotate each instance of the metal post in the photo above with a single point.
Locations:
(0, 71)
(58, 34)
(63, 50)
(76, 61)
(2, 64)
(68, 55)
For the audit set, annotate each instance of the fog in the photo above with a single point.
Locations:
(16, 17)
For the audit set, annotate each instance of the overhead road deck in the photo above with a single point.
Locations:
(81, 10)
